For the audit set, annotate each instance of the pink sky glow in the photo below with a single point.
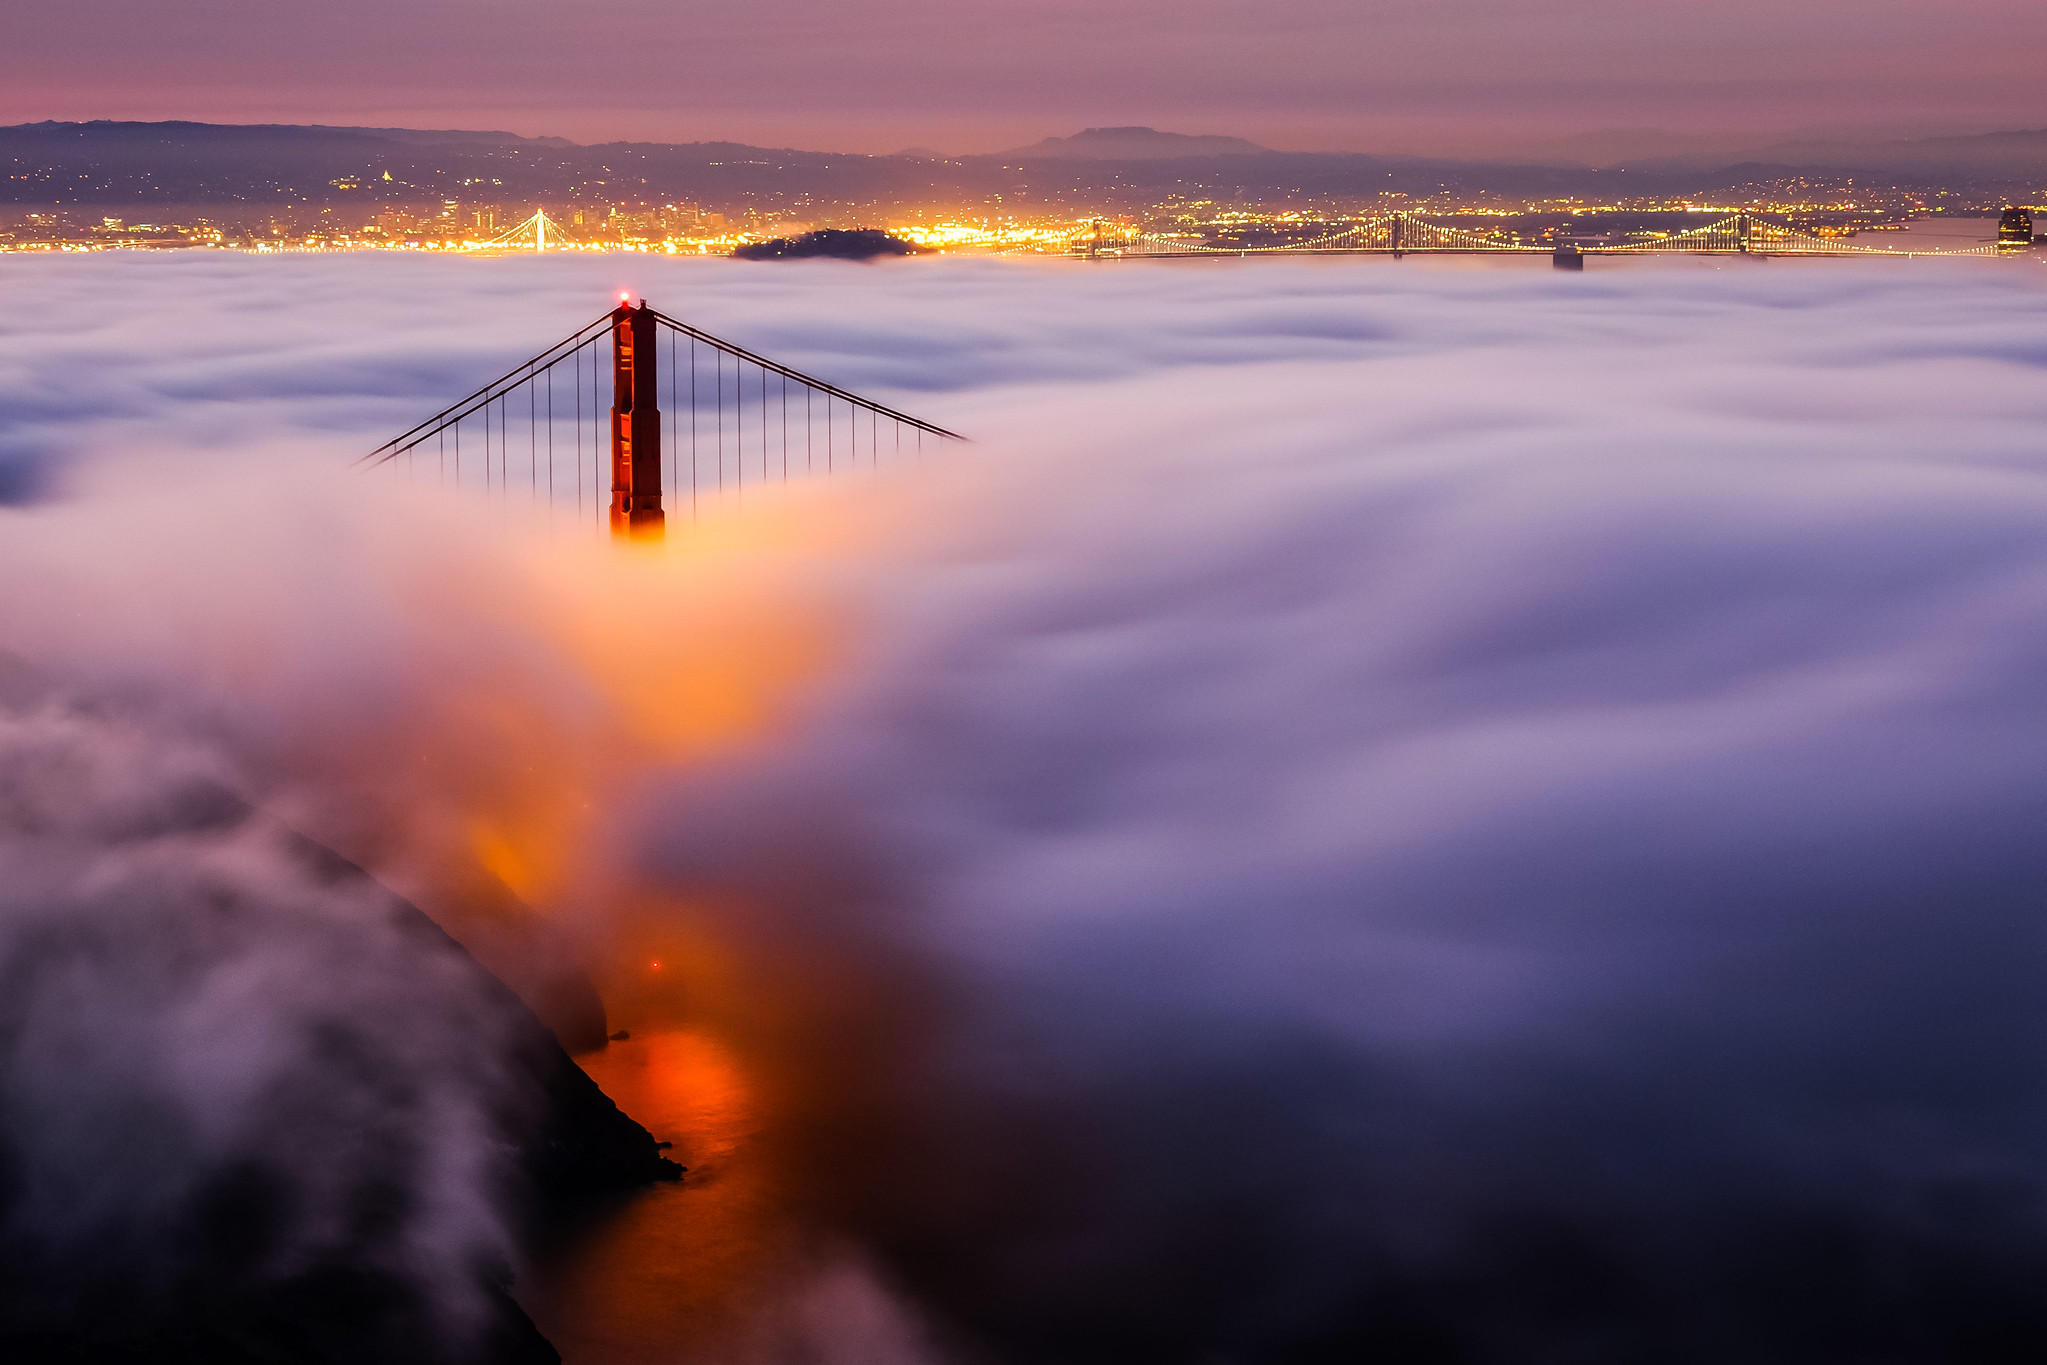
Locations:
(878, 75)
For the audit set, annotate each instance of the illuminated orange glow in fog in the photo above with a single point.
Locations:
(506, 857)
(692, 677)
(538, 681)
(549, 675)
(669, 671)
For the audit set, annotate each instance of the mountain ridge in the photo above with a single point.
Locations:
(1132, 144)
(2021, 152)
(114, 163)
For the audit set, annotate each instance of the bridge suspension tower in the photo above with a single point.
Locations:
(535, 231)
(548, 433)
(635, 424)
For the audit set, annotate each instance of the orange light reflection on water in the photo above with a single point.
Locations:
(674, 1274)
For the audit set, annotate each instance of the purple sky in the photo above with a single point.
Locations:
(877, 75)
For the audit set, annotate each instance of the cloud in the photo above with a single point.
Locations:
(1449, 810)
(237, 1083)
(1540, 897)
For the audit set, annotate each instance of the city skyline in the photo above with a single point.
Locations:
(115, 185)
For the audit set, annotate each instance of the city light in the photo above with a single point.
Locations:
(1804, 212)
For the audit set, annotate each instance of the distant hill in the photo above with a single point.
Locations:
(1131, 144)
(112, 163)
(2016, 155)
(102, 132)
(359, 170)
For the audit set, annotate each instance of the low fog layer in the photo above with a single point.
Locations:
(1460, 811)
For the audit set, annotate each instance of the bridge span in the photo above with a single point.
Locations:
(1403, 234)
(581, 429)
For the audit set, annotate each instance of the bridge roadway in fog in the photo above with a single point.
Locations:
(1400, 234)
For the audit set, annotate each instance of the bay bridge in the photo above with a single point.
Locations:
(1400, 234)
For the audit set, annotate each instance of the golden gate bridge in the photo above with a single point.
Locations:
(582, 427)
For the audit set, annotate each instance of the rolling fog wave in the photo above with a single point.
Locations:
(1467, 908)
(1458, 813)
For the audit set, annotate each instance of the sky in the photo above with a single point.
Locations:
(1476, 77)
(1382, 778)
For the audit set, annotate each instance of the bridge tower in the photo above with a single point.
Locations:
(1396, 236)
(635, 425)
(1741, 231)
(2015, 228)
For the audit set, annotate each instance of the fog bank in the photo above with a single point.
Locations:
(1448, 811)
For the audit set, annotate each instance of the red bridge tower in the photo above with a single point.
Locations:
(635, 425)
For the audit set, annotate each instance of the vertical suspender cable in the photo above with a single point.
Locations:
(492, 405)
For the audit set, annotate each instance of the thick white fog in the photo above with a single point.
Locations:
(1448, 809)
